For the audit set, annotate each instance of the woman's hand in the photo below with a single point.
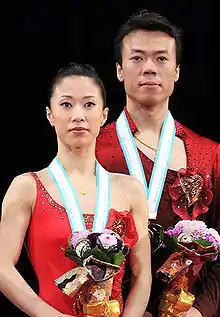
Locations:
(140, 254)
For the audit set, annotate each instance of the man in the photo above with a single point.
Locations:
(149, 144)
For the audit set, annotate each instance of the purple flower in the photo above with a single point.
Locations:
(170, 232)
(108, 231)
(93, 238)
(196, 236)
(210, 238)
(107, 240)
(177, 231)
(215, 234)
(187, 231)
(77, 236)
(193, 228)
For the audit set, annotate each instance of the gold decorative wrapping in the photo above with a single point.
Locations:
(176, 299)
(175, 304)
(91, 288)
(102, 309)
(181, 268)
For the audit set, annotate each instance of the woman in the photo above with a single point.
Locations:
(34, 204)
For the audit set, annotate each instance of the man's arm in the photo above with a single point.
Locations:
(208, 300)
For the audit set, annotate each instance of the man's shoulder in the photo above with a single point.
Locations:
(107, 135)
(195, 138)
(110, 128)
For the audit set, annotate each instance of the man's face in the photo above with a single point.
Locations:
(148, 68)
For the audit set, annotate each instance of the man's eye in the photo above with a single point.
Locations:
(136, 58)
(162, 58)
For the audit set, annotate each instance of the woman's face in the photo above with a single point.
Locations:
(77, 111)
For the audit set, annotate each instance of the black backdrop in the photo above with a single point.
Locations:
(49, 34)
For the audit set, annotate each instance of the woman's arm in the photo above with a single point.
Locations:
(140, 256)
(15, 218)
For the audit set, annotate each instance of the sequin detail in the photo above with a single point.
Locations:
(46, 195)
(119, 226)
(191, 194)
(192, 187)
(88, 221)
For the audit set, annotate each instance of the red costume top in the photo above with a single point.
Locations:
(48, 233)
(203, 170)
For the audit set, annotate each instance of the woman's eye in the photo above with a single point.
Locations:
(66, 104)
(90, 104)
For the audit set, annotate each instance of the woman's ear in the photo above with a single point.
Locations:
(104, 116)
(49, 116)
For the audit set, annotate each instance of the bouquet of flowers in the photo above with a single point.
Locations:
(99, 256)
(193, 244)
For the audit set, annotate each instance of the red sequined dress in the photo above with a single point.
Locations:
(191, 193)
(48, 232)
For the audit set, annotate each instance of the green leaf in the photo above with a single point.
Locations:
(117, 258)
(161, 235)
(87, 253)
(70, 251)
(204, 243)
(100, 255)
(73, 256)
(171, 242)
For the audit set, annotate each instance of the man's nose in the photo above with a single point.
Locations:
(149, 67)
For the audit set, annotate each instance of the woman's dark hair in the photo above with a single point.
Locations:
(147, 21)
(75, 69)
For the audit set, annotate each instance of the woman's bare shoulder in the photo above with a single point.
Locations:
(126, 182)
(26, 180)
(22, 188)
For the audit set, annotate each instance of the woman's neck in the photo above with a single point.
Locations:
(77, 161)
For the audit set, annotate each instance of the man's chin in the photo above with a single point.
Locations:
(149, 101)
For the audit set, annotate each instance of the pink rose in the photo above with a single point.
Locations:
(77, 236)
(107, 240)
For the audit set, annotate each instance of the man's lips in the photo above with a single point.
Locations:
(78, 129)
(149, 83)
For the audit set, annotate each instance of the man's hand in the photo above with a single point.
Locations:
(146, 314)
(193, 312)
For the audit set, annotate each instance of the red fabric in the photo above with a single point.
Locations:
(203, 159)
(191, 190)
(48, 233)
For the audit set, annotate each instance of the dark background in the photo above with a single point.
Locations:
(49, 34)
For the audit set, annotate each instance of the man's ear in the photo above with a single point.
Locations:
(177, 73)
(119, 71)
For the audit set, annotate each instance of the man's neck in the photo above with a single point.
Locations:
(148, 118)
